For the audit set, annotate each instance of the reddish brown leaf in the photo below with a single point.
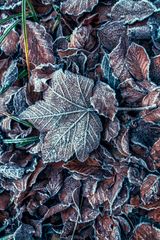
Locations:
(111, 129)
(39, 44)
(10, 43)
(81, 38)
(146, 231)
(154, 68)
(73, 7)
(110, 34)
(155, 151)
(138, 62)
(117, 61)
(152, 99)
(4, 200)
(150, 189)
(121, 142)
(40, 75)
(107, 228)
(132, 11)
(104, 100)
(90, 167)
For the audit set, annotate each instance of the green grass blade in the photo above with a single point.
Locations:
(8, 30)
(22, 74)
(26, 140)
(7, 19)
(24, 29)
(12, 17)
(33, 11)
(24, 122)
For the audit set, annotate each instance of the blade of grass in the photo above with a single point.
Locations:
(4, 20)
(22, 74)
(12, 17)
(24, 122)
(33, 11)
(24, 29)
(26, 140)
(8, 30)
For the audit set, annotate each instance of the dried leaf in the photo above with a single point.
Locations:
(90, 167)
(107, 71)
(80, 37)
(107, 228)
(132, 11)
(154, 69)
(150, 189)
(138, 62)
(111, 129)
(110, 33)
(11, 171)
(146, 231)
(71, 185)
(9, 75)
(39, 44)
(66, 113)
(73, 7)
(104, 100)
(155, 151)
(10, 43)
(151, 99)
(118, 62)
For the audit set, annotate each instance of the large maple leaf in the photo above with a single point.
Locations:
(67, 116)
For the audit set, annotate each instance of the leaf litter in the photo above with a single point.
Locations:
(79, 120)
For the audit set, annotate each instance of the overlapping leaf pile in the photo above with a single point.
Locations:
(80, 128)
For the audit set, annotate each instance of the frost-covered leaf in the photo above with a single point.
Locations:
(107, 71)
(80, 37)
(9, 76)
(10, 43)
(104, 100)
(117, 60)
(70, 186)
(110, 34)
(155, 69)
(155, 151)
(67, 115)
(151, 99)
(74, 7)
(24, 232)
(106, 228)
(146, 231)
(132, 11)
(11, 171)
(39, 44)
(10, 4)
(90, 167)
(111, 129)
(150, 189)
(40, 75)
(138, 62)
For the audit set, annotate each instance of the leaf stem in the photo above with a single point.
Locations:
(151, 107)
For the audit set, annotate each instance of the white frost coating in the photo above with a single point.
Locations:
(74, 7)
(66, 114)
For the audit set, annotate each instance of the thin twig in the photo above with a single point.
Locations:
(151, 107)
